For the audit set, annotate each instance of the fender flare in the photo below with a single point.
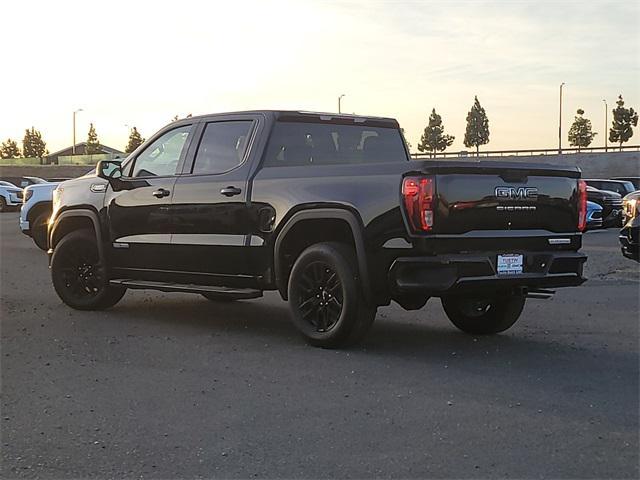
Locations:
(79, 212)
(323, 214)
(48, 204)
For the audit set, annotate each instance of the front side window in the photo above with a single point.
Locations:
(222, 146)
(305, 143)
(162, 156)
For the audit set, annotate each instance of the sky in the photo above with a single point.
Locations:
(140, 63)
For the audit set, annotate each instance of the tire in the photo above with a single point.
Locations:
(3, 204)
(39, 230)
(481, 315)
(78, 277)
(337, 315)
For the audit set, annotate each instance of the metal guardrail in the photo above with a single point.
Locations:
(526, 152)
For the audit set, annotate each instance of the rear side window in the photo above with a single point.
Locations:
(222, 147)
(301, 143)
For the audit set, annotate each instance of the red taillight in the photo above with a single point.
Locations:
(582, 205)
(418, 195)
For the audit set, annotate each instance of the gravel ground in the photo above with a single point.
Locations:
(172, 385)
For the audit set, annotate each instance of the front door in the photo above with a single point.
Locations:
(139, 211)
(210, 206)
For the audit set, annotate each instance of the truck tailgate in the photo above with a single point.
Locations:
(476, 196)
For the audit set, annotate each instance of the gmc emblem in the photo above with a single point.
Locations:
(519, 193)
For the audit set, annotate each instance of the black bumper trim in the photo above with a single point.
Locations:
(459, 273)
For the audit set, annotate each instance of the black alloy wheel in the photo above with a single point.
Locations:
(320, 296)
(80, 270)
(79, 277)
(326, 296)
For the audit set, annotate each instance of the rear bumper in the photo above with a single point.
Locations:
(460, 273)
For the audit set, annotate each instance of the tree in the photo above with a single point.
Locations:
(93, 145)
(623, 120)
(135, 140)
(405, 138)
(580, 134)
(32, 144)
(434, 139)
(176, 117)
(9, 149)
(477, 132)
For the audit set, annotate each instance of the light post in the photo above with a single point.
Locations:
(560, 123)
(73, 147)
(339, 104)
(606, 122)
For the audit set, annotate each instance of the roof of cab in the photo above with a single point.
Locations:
(299, 115)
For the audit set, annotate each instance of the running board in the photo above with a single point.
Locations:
(235, 293)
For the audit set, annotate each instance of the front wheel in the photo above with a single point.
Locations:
(78, 275)
(3, 204)
(484, 315)
(39, 230)
(326, 298)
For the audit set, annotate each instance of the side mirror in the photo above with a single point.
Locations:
(108, 169)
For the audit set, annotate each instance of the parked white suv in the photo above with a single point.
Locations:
(10, 196)
(36, 210)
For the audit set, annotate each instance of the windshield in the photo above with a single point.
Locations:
(36, 180)
(305, 143)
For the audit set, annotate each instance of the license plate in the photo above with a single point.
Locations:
(510, 264)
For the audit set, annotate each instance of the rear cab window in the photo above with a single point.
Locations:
(300, 143)
(222, 147)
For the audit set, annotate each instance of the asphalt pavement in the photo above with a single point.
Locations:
(175, 386)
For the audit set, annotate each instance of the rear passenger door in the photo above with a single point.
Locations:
(210, 208)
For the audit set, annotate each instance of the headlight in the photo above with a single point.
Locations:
(629, 207)
(27, 194)
(56, 196)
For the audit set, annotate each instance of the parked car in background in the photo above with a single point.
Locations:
(594, 216)
(630, 234)
(611, 203)
(23, 181)
(622, 187)
(634, 180)
(10, 196)
(36, 210)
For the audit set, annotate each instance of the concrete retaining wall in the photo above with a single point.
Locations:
(593, 165)
(44, 171)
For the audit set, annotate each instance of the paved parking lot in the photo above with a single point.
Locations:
(172, 385)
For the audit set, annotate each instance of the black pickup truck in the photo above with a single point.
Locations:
(327, 209)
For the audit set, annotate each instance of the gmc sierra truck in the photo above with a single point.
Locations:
(328, 210)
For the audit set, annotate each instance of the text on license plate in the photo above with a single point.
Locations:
(509, 264)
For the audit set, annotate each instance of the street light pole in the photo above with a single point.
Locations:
(339, 104)
(606, 122)
(73, 147)
(560, 123)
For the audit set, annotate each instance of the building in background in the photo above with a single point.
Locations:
(81, 149)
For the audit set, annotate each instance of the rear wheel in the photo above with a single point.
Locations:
(39, 230)
(483, 315)
(3, 204)
(325, 296)
(78, 276)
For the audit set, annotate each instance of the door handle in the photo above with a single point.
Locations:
(230, 191)
(161, 192)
